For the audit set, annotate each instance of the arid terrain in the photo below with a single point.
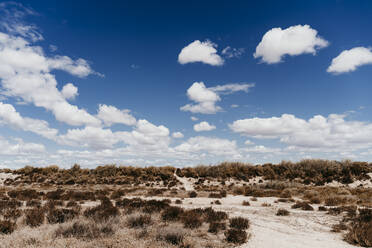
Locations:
(312, 203)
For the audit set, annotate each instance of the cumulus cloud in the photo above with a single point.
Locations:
(25, 71)
(144, 136)
(198, 51)
(204, 126)
(111, 115)
(18, 147)
(332, 133)
(295, 40)
(193, 118)
(210, 145)
(9, 116)
(69, 91)
(206, 98)
(177, 135)
(350, 60)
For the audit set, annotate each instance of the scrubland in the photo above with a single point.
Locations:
(312, 203)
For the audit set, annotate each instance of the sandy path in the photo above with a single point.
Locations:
(302, 229)
(188, 185)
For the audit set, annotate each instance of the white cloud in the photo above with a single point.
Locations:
(332, 133)
(295, 40)
(203, 126)
(111, 115)
(25, 73)
(69, 91)
(206, 98)
(350, 60)
(10, 117)
(79, 67)
(144, 136)
(248, 142)
(19, 147)
(214, 146)
(230, 52)
(234, 105)
(193, 118)
(11, 20)
(197, 51)
(232, 88)
(177, 135)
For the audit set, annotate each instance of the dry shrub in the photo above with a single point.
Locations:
(12, 214)
(24, 195)
(172, 214)
(214, 216)
(5, 204)
(336, 201)
(239, 223)
(303, 205)
(178, 201)
(102, 212)
(135, 221)
(7, 227)
(72, 204)
(265, 204)
(246, 203)
(322, 208)
(34, 217)
(85, 230)
(79, 196)
(215, 227)
(191, 219)
(282, 212)
(174, 236)
(33, 203)
(339, 227)
(236, 236)
(61, 215)
(117, 194)
(193, 194)
(360, 230)
(54, 195)
(253, 199)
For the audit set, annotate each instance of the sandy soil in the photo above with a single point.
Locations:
(302, 229)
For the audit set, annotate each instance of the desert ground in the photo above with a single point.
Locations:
(312, 203)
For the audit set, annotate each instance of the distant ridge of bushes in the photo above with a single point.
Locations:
(309, 171)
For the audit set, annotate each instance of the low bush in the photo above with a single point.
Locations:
(172, 214)
(239, 223)
(360, 230)
(246, 203)
(215, 227)
(282, 212)
(236, 236)
(34, 217)
(102, 212)
(193, 194)
(58, 215)
(173, 236)
(191, 219)
(7, 227)
(303, 205)
(84, 230)
(135, 221)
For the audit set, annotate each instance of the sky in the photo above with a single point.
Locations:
(183, 83)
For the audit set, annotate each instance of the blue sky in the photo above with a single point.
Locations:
(184, 82)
